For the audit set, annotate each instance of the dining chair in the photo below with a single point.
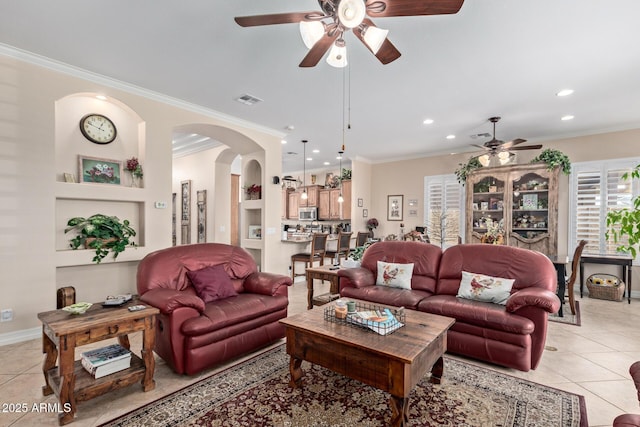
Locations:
(574, 274)
(361, 238)
(317, 253)
(343, 246)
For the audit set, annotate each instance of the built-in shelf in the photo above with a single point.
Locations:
(71, 258)
(66, 190)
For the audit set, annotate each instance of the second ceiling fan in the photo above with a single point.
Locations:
(324, 30)
(501, 149)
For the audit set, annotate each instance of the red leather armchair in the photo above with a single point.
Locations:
(630, 420)
(191, 335)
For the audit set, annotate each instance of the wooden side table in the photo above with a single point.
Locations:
(324, 272)
(623, 260)
(63, 332)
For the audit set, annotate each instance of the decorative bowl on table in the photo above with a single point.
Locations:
(77, 308)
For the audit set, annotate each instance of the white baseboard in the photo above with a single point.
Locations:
(20, 336)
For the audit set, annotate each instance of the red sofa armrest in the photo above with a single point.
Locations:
(266, 283)
(167, 300)
(357, 277)
(537, 297)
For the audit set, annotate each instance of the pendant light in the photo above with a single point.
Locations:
(340, 198)
(304, 195)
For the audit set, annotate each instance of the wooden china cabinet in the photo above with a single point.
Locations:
(521, 199)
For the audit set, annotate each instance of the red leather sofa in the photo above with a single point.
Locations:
(192, 335)
(511, 335)
(630, 420)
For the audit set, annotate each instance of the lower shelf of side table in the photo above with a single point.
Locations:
(325, 298)
(87, 387)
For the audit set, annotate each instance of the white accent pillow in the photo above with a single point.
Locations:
(394, 275)
(481, 287)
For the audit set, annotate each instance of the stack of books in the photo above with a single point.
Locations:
(106, 360)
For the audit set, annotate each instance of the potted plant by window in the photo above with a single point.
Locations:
(625, 222)
(102, 233)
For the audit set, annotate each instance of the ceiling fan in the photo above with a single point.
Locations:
(322, 30)
(500, 149)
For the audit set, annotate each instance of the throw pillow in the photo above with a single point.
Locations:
(481, 287)
(212, 283)
(394, 275)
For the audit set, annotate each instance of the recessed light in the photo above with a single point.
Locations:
(284, 141)
(102, 97)
(451, 137)
(316, 151)
(339, 158)
(309, 159)
(567, 117)
(565, 92)
(428, 121)
(327, 163)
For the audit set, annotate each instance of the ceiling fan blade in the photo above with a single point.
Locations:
(387, 52)
(526, 147)
(277, 18)
(318, 50)
(481, 146)
(383, 8)
(514, 142)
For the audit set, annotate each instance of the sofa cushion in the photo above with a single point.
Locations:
(386, 296)
(212, 283)
(480, 287)
(481, 314)
(394, 275)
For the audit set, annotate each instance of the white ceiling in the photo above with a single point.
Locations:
(495, 57)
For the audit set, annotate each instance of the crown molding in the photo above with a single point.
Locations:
(61, 67)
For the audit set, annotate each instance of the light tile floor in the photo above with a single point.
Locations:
(591, 360)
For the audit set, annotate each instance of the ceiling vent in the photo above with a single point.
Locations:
(292, 153)
(248, 99)
(480, 135)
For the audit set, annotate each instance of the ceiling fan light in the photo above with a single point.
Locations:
(311, 32)
(504, 155)
(351, 12)
(338, 55)
(484, 160)
(374, 37)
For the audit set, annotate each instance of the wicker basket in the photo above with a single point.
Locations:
(605, 286)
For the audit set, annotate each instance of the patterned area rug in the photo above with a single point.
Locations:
(568, 318)
(256, 393)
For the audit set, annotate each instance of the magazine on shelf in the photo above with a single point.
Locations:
(104, 355)
(380, 321)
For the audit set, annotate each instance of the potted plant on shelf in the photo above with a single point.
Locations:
(372, 224)
(466, 168)
(102, 233)
(553, 159)
(254, 192)
(626, 222)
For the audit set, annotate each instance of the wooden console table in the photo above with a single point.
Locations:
(324, 272)
(63, 332)
(623, 260)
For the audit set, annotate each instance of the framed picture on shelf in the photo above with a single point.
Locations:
(98, 170)
(394, 207)
(255, 232)
(530, 201)
(69, 177)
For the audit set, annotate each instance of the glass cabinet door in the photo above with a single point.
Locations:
(530, 210)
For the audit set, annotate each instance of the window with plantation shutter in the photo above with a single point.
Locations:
(444, 209)
(597, 188)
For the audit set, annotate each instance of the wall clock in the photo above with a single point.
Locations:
(98, 128)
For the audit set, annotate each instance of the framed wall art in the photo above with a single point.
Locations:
(98, 170)
(365, 213)
(185, 217)
(174, 239)
(394, 207)
(255, 232)
(202, 216)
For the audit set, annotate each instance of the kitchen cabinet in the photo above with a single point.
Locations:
(328, 206)
(285, 202)
(519, 200)
(312, 196)
(293, 198)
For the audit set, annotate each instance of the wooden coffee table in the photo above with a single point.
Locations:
(394, 363)
(63, 332)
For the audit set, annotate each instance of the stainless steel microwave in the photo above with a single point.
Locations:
(307, 214)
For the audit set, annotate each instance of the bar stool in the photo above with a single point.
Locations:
(343, 247)
(317, 253)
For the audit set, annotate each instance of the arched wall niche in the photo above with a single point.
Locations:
(70, 143)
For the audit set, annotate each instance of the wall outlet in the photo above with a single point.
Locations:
(160, 205)
(6, 315)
